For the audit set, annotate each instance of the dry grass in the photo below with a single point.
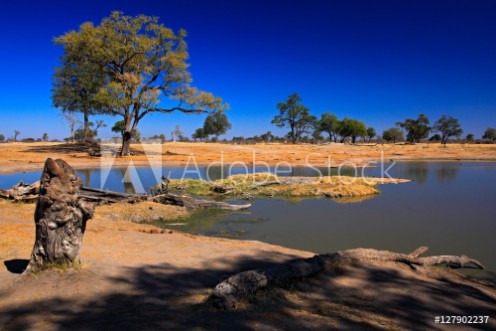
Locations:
(17, 225)
(14, 230)
(140, 213)
(331, 186)
(31, 156)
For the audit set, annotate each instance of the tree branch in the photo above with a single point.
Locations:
(171, 110)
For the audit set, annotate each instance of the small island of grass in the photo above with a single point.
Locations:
(262, 185)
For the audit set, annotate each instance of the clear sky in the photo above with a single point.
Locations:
(377, 61)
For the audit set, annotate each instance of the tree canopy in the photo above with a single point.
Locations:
(119, 127)
(329, 124)
(448, 126)
(216, 124)
(371, 133)
(351, 128)
(490, 134)
(78, 79)
(393, 134)
(199, 134)
(141, 60)
(296, 116)
(416, 129)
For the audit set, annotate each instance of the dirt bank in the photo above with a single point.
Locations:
(31, 156)
(136, 278)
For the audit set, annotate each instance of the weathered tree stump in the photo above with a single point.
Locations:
(60, 217)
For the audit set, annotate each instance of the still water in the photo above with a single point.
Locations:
(450, 207)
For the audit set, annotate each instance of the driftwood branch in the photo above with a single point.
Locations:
(227, 294)
(284, 181)
(191, 203)
(29, 193)
(452, 261)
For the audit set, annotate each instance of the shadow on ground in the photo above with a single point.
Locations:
(16, 266)
(365, 297)
(92, 148)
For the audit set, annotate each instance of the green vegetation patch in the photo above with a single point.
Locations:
(270, 185)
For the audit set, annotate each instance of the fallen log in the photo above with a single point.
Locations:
(29, 193)
(285, 181)
(227, 294)
(191, 203)
(22, 192)
(104, 197)
(452, 261)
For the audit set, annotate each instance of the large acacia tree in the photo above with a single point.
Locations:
(142, 61)
(351, 128)
(449, 127)
(296, 116)
(416, 129)
(217, 124)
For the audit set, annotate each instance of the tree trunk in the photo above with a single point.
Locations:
(60, 217)
(86, 125)
(126, 143)
(293, 137)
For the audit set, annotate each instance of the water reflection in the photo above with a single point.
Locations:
(447, 173)
(133, 179)
(127, 180)
(86, 175)
(419, 171)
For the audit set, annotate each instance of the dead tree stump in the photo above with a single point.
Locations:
(60, 217)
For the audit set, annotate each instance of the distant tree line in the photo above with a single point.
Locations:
(304, 127)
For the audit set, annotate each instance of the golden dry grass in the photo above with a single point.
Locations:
(331, 186)
(140, 213)
(31, 156)
(13, 231)
(17, 225)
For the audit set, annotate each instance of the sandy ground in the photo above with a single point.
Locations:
(17, 157)
(135, 278)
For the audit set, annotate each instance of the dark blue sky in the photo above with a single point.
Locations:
(377, 61)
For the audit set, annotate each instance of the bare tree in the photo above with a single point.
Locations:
(16, 133)
(72, 120)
